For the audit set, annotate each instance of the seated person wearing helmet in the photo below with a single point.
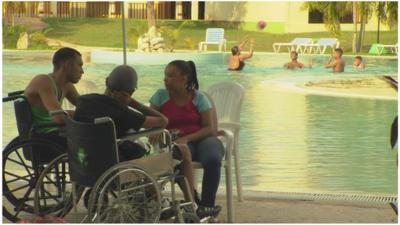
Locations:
(114, 103)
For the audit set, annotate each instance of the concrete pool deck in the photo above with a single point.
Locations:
(259, 210)
(296, 211)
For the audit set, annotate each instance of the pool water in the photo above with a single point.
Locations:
(288, 141)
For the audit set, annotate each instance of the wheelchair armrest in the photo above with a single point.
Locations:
(143, 133)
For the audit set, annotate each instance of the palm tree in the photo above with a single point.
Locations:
(151, 15)
(380, 13)
(391, 14)
(387, 14)
(364, 10)
(332, 12)
(354, 8)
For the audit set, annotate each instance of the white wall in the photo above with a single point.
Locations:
(290, 13)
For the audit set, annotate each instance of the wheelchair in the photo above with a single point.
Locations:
(24, 159)
(121, 192)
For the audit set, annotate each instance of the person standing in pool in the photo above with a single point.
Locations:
(358, 62)
(294, 63)
(236, 60)
(336, 62)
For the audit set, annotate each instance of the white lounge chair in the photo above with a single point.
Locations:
(321, 45)
(392, 48)
(295, 45)
(226, 99)
(214, 36)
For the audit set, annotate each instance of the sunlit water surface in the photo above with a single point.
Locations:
(288, 141)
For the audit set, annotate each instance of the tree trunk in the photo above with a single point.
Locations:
(362, 32)
(355, 28)
(151, 15)
(379, 28)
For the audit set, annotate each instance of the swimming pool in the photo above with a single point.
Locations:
(289, 141)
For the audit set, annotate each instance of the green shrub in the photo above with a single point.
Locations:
(37, 40)
(190, 43)
(135, 31)
(11, 35)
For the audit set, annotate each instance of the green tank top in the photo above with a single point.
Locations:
(41, 116)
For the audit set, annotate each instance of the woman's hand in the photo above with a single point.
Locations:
(182, 140)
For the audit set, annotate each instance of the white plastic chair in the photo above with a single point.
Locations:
(227, 99)
(83, 87)
(295, 45)
(321, 45)
(392, 48)
(214, 36)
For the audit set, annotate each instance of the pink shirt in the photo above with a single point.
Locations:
(187, 118)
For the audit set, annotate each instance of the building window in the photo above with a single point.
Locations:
(318, 17)
(186, 10)
(202, 6)
(348, 18)
(315, 17)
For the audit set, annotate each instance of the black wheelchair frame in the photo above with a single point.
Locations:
(24, 158)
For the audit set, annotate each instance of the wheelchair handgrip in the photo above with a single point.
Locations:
(12, 98)
(15, 93)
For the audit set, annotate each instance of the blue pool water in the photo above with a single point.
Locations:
(289, 141)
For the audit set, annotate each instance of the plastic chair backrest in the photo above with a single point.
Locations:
(228, 98)
(92, 149)
(215, 35)
(327, 41)
(300, 41)
(213, 112)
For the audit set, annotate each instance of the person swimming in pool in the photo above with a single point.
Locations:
(294, 63)
(236, 60)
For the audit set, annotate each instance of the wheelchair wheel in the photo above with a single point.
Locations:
(53, 191)
(20, 175)
(125, 194)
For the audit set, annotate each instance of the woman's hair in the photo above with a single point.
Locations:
(189, 70)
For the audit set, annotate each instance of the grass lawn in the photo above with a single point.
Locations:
(107, 33)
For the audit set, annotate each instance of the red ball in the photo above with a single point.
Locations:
(261, 24)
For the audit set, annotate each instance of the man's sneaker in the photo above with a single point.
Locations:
(203, 211)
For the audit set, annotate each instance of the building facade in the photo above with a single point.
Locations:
(281, 17)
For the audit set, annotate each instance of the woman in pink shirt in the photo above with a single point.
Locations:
(189, 114)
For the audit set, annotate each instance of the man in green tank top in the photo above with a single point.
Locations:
(45, 92)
